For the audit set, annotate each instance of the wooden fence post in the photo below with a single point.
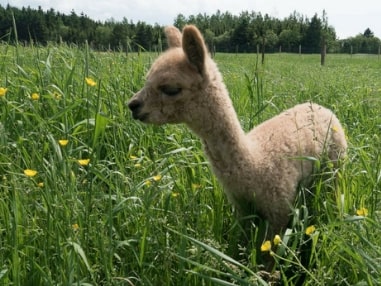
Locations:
(323, 53)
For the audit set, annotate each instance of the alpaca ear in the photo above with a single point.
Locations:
(173, 36)
(194, 47)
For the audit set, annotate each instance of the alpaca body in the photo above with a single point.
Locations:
(277, 156)
(260, 170)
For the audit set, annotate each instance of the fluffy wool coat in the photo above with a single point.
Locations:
(261, 170)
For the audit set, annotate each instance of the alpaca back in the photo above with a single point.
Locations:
(306, 129)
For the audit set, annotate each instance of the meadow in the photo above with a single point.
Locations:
(89, 196)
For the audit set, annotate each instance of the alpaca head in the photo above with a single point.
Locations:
(175, 84)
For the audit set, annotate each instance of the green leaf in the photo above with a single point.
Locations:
(79, 250)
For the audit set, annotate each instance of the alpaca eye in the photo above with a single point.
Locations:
(170, 90)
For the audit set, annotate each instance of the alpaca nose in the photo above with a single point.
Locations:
(134, 105)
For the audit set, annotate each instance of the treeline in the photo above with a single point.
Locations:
(223, 32)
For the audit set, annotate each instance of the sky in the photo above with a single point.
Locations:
(349, 18)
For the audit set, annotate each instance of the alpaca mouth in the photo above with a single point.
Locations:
(140, 117)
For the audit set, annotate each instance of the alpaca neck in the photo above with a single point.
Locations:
(224, 140)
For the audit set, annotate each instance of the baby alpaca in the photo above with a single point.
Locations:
(260, 170)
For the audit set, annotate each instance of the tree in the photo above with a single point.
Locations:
(271, 40)
(224, 31)
(103, 35)
(368, 33)
(180, 21)
(209, 40)
(242, 36)
(289, 40)
(360, 44)
(119, 38)
(312, 39)
(144, 36)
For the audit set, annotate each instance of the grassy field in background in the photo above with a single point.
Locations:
(90, 197)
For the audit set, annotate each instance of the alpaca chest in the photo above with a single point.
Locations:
(262, 188)
(239, 182)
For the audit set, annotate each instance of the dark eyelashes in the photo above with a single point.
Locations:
(170, 90)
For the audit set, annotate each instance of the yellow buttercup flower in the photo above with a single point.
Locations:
(90, 81)
(196, 186)
(277, 240)
(3, 91)
(30, 172)
(83, 162)
(157, 178)
(57, 95)
(310, 230)
(63, 142)
(175, 195)
(35, 96)
(362, 212)
(40, 184)
(266, 246)
(75, 226)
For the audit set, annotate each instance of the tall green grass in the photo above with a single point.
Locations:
(147, 210)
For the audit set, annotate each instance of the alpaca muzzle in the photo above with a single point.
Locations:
(135, 105)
